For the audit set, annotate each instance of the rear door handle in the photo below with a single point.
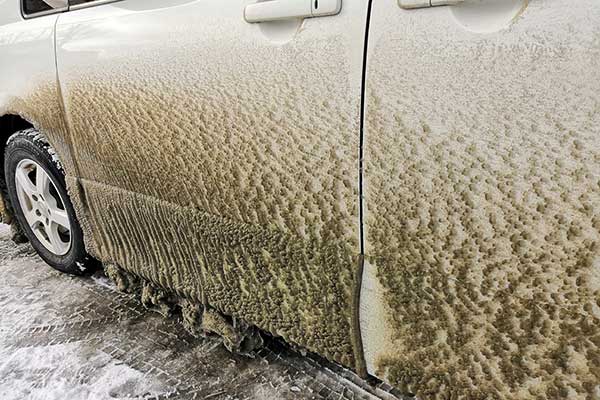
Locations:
(410, 4)
(275, 10)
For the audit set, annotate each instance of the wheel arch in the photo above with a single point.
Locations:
(9, 124)
(42, 109)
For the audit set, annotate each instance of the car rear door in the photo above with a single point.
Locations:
(482, 194)
(219, 158)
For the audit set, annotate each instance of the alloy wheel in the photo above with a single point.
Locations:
(43, 207)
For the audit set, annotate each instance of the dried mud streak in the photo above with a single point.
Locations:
(484, 208)
(242, 172)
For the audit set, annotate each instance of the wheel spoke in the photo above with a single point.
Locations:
(61, 218)
(54, 237)
(25, 183)
(32, 219)
(39, 229)
(42, 182)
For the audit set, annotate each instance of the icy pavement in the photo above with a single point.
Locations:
(78, 338)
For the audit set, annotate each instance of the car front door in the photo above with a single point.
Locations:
(219, 158)
(482, 193)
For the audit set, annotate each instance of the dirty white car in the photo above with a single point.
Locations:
(409, 188)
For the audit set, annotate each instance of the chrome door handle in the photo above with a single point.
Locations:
(275, 10)
(410, 4)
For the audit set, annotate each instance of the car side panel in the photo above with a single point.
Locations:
(482, 184)
(28, 85)
(219, 159)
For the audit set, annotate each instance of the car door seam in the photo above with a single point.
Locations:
(359, 354)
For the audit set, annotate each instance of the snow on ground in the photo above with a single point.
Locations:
(58, 374)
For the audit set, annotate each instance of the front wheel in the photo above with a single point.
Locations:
(37, 192)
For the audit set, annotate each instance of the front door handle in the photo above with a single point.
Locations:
(410, 4)
(275, 10)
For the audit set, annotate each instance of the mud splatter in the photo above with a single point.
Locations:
(483, 203)
(42, 108)
(158, 300)
(199, 247)
(215, 323)
(237, 336)
(233, 185)
(124, 281)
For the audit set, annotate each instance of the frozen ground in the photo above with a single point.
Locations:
(78, 338)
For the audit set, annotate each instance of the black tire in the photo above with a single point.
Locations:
(30, 144)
